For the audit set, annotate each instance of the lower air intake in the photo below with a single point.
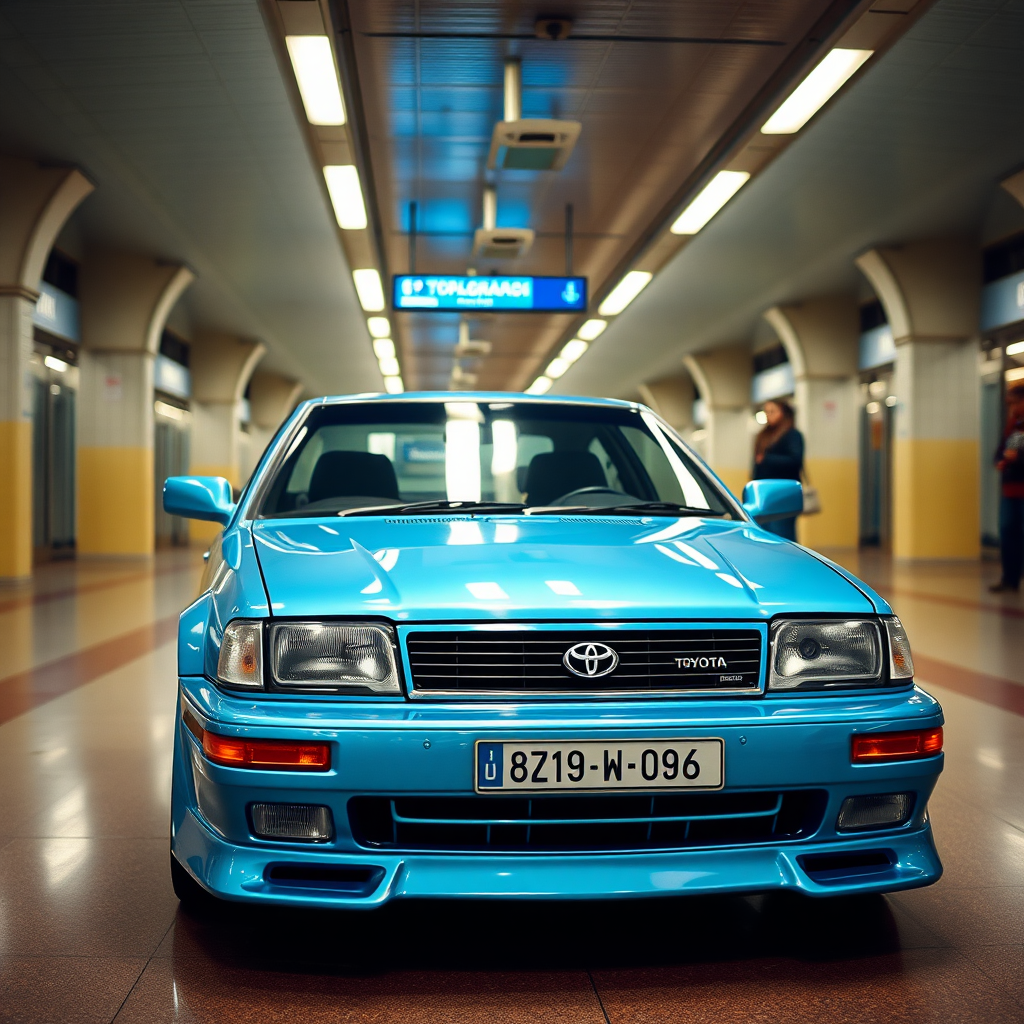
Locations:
(564, 823)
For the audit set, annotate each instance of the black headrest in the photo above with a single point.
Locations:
(552, 474)
(339, 474)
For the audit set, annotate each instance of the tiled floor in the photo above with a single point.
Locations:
(90, 931)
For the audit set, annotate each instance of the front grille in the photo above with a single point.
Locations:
(566, 823)
(530, 660)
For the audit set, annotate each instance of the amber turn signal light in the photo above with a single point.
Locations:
(867, 748)
(233, 752)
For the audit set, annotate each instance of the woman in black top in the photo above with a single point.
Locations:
(779, 455)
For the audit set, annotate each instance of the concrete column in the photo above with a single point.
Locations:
(672, 399)
(125, 301)
(271, 400)
(820, 337)
(221, 366)
(35, 203)
(930, 291)
(723, 377)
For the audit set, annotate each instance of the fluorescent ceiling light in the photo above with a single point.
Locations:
(591, 329)
(313, 64)
(462, 460)
(393, 385)
(389, 367)
(60, 366)
(711, 198)
(346, 196)
(369, 289)
(505, 448)
(539, 386)
(557, 367)
(379, 326)
(572, 350)
(1016, 349)
(625, 292)
(383, 348)
(815, 91)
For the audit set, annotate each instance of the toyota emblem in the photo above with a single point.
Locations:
(590, 660)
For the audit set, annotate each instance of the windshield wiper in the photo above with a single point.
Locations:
(667, 508)
(442, 505)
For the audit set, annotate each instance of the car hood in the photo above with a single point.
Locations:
(545, 567)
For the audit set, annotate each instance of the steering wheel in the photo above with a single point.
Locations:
(611, 496)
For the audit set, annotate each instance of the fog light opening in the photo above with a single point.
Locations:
(309, 823)
(836, 868)
(866, 813)
(352, 880)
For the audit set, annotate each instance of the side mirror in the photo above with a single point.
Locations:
(765, 500)
(199, 497)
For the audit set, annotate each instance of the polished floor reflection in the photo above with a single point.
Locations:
(90, 931)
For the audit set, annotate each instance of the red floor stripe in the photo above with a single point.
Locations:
(43, 597)
(26, 690)
(994, 690)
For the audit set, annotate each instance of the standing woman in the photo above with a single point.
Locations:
(779, 455)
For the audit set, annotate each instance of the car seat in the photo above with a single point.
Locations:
(339, 474)
(552, 474)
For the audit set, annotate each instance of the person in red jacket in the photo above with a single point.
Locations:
(1009, 461)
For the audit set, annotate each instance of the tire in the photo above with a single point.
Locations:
(191, 895)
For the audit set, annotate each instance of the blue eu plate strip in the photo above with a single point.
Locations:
(489, 764)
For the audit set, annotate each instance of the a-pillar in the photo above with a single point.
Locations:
(221, 366)
(271, 400)
(820, 337)
(723, 377)
(125, 301)
(35, 203)
(672, 399)
(930, 292)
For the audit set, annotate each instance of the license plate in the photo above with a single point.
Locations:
(600, 765)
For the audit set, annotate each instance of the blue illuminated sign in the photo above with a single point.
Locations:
(440, 293)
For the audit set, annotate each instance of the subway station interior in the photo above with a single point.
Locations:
(214, 211)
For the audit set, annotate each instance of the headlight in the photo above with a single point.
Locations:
(241, 655)
(825, 652)
(329, 657)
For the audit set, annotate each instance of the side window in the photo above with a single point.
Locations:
(611, 473)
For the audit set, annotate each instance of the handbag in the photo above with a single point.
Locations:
(812, 500)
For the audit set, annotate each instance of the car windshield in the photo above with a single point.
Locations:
(371, 457)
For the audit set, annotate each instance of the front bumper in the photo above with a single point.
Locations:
(398, 750)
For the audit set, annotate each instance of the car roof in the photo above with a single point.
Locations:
(473, 396)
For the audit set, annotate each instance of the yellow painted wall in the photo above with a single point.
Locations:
(935, 498)
(734, 479)
(202, 531)
(15, 499)
(836, 526)
(115, 501)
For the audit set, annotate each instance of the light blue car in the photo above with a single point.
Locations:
(511, 646)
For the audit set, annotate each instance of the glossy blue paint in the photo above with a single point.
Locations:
(767, 500)
(611, 572)
(199, 497)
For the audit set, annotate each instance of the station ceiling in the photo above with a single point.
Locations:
(657, 87)
(183, 113)
(178, 111)
(914, 149)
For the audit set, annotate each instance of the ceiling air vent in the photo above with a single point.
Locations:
(501, 243)
(491, 242)
(532, 144)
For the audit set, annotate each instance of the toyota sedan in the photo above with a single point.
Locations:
(512, 646)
